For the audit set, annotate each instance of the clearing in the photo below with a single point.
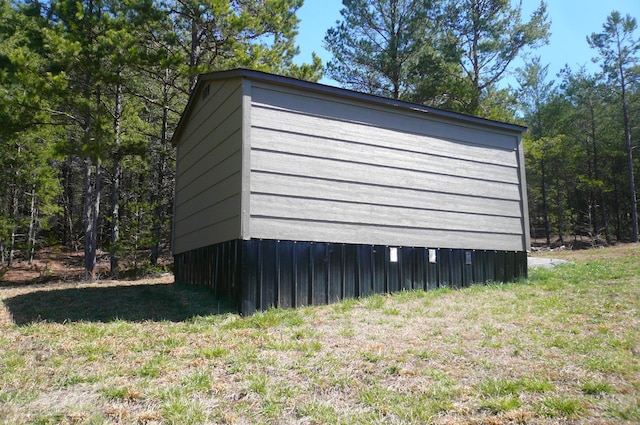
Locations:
(562, 347)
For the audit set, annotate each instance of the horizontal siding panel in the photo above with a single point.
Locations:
(213, 140)
(208, 235)
(274, 162)
(213, 214)
(385, 117)
(288, 185)
(218, 172)
(298, 144)
(286, 121)
(298, 230)
(313, 210)
(220, 106)
(219, 149)
(210, 196)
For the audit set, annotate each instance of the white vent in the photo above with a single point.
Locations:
(393, 255)
(432, 256)
(205, 91)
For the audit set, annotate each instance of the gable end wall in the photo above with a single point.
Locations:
(208, 169)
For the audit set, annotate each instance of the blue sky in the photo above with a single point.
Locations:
(571, 22)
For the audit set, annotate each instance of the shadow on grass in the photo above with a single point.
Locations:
(132, 303)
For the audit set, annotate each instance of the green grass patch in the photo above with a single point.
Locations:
(496, 405)
(503, 387)
(53, 418)
(554, 407)
(215, 352)
(267, 319)
(372, 357)
(345, 306)
(154, 367)
(347, 330)
(596, 388)
(629, 413)
(317, 412)
(182, 411)
(115, 393)
(408, 407)
(426, 355)
(199, 381)
(391, 311)
(374, 302)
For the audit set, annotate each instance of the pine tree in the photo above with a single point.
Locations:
(27, 89)
(388, 48)
(618, 48)
(490, 35)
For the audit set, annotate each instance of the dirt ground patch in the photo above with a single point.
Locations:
(49, 265)
(55, 265)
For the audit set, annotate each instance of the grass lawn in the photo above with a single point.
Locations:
(562, 347)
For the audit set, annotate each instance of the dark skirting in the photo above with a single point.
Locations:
(258, 274)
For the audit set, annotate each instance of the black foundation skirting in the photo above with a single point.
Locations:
(258, 274)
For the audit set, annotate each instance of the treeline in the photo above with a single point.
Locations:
(583, 130)
(91, 91)
(454, 54)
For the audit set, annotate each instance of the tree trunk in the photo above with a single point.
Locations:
(161, 169)
(115, 216)
(31, 237)
(115, 184)
(195, 53)
(559, 205)
(632, 183)
(67, 203)
(91, 214)
(12, 248)
(92, 188)
(14, 215)
(628, 146)
(89, 249)
(605, 219)
(616, 205)
(545, 204)
(95, 215)
(596, 174)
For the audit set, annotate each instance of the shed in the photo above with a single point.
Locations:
(291, 193)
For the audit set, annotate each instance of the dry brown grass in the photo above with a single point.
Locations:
(563, 347)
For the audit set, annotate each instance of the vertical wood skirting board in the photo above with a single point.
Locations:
(260, 274)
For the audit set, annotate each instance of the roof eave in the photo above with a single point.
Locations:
(339, 92)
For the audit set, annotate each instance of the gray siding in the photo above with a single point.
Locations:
(338, 170)
(208, 169)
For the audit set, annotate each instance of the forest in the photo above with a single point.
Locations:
(91, 91)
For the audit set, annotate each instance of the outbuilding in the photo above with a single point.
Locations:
(291, 193)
